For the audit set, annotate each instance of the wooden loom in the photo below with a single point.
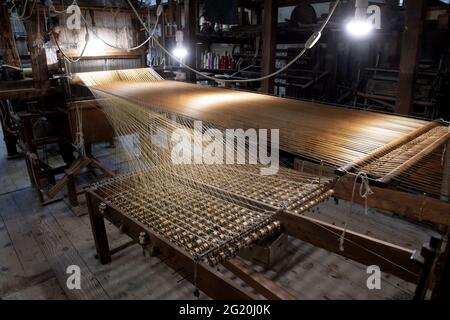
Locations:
(321, 133)
(214, 105)
(131, 219)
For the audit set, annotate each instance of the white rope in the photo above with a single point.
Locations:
(21, 16)
(79, 139)
(69, 59)
(12, 67)
(364, 192)
(52, 7)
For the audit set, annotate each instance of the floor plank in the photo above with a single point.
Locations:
(30, 256)
(129, 275)
(56, 246)
(48, 290)
(11, 271)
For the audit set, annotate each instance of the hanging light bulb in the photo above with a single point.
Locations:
(180, 52)
(360, 27)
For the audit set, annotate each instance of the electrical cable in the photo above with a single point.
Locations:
(21, 17)
(12, 67)
(69, 59)
(308, 45)
(109, 44)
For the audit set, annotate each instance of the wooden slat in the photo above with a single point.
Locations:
(366, 250)
(62, 254)
(417, 207)
(46, 290)
(261, 284)
(114, 54)
(10, 268)
(30, 256)
(19, 94)
(57, 247)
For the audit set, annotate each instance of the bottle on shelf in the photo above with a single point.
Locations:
(217, 61)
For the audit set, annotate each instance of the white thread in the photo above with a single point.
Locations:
(364, 192)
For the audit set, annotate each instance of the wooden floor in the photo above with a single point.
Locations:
(37, 244)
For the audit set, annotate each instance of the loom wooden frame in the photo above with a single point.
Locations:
(215, 285)
(418, 207)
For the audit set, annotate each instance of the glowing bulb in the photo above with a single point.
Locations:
(180, 52)
(359, 28)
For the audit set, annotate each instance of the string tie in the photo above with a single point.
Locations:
(364, 192)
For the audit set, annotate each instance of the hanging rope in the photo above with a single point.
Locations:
(364, 192)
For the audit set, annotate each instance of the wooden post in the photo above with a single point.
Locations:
(331, 64)
(410, 55)
(9, 136)
(190, 30)
(270, 20)
(256, 17)
(445, 188)
(99, 231)
(441, 290)
(7, 42)
(72, 190)
(428, 254)
(171, 11)
(38, 57)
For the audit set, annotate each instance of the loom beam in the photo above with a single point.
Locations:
(413, 206)
(415, 159)
(372, 156)
(358, 247)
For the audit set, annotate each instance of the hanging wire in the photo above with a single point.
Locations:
(308, 45)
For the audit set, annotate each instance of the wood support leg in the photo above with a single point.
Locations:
(72, 190)
(442, 287)
(99, 232)
(426, 259)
